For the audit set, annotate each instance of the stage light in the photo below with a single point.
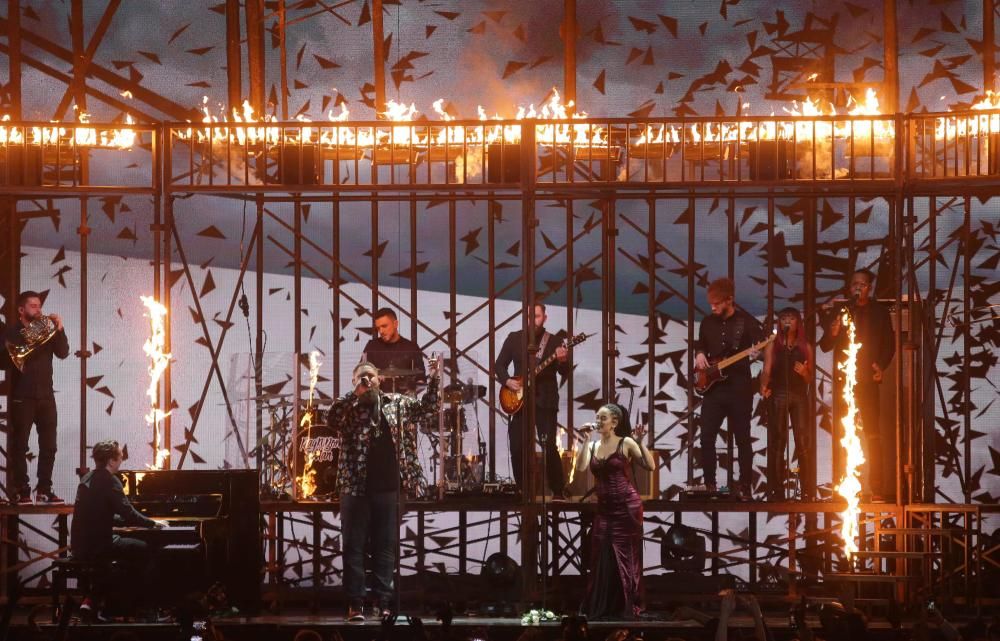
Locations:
(682, 549)
(503, 580)
(501, 571)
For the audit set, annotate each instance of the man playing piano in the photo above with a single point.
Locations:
(100, 505)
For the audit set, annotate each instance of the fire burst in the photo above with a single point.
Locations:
(850, 486)
(158, 362)
(307, 480)
(571, 443)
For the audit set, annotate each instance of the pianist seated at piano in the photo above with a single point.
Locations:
(100, 506)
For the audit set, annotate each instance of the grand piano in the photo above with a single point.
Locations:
(214, 533)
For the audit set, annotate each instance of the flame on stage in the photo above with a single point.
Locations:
(306, 481)
(159, 359)
(54, 135)
(571, 445)
(850, 486)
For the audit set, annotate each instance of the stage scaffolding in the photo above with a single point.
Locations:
(629, 195)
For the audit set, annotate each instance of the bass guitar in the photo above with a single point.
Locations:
(512, 401)
(704, 379)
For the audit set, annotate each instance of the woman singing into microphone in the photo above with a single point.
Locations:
(614, 583)
(785, 380)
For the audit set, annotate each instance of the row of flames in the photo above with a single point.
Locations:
(245, 127)
(37, 135)
(266, 131)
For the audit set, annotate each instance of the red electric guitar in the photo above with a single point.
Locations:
(704, 379)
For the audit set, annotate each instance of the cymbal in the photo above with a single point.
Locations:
(398, 372)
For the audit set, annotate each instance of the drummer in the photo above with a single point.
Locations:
(399, 360)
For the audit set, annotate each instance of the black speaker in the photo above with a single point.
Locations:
(503, 163)
(21, 166)
(245, 556)
(298, 165)
(771, 160)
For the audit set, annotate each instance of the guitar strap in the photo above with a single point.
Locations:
(735, 347)
(541, 349)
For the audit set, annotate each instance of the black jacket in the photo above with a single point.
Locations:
(35, 382)
(718, 338)
(99, 498)
(546, 384)
(874, 331)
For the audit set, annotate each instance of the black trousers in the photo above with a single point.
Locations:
(879, 441)
(730, 401)
(546, 423)
(785, 409)
(134, 581)
(25, 412)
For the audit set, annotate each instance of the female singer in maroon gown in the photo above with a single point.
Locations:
(614, 583)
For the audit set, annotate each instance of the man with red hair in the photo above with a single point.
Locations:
(723, 333)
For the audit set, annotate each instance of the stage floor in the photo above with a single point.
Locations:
(333, 626)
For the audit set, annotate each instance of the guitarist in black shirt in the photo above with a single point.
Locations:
(725, 332)
(546, 396)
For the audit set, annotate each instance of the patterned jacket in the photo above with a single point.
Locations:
(354, 422)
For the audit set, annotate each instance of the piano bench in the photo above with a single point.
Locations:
(65, 568)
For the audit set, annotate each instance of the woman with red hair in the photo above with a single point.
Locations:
(785, 381)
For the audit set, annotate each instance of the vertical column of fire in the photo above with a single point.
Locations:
(306, 481)
(571, 444)
(850, 486)
(158, 361)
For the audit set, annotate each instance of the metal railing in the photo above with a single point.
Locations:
(659, 153)
(45, 156)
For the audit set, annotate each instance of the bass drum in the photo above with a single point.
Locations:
(323, 443)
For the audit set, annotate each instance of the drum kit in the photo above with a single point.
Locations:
(320, 444)
(275, 452)
(461, 473)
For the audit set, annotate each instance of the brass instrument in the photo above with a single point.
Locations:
(35, 334)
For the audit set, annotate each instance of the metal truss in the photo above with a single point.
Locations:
(612, 195)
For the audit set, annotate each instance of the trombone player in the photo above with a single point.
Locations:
(31, 343)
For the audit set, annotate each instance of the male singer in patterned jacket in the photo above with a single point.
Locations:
(378, 458)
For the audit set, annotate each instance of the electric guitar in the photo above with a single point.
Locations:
(512, 401)
(704, 379)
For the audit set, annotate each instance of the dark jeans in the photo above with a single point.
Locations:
(24, 412)
(879, 441)
(731, 401)
(374, 517)
(785, 409)
(546, 424)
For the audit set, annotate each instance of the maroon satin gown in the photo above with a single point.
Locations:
(615, 581)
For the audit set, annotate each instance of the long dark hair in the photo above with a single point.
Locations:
(624, 427)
